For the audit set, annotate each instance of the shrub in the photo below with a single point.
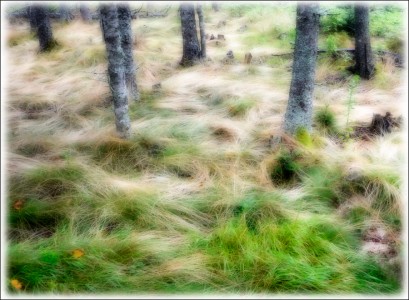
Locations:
(338, 18)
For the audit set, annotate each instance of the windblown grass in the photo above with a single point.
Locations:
(197, 200)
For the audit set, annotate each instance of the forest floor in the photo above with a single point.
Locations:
(198, 201)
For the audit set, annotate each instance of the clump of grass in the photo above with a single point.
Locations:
(182, 159)
(47, 182)
(324, 184)
(303, 136)
(37, 199)
(325, 119)
(292, 256)
(258, 206)
(50, 265)
(285, 167)
(34, 218)
(239, 107)
(118, 155)
(17, 38)
(33, 148)
(92, 56)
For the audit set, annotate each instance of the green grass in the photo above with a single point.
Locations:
(285, 167)
(239, 107)
(193, 204)
(293, 256)
(326, 121)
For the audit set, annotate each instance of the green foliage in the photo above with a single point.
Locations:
(386, 20)
(331, 45)
(238, 10)
(337, 19)
(325, 119)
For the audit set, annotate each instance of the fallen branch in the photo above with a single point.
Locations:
(379, 126)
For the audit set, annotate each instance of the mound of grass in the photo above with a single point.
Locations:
(325, 119)
(239, 107)
(102, 264)
(292, 256)
(17, 38)
(285, 167)
(324, 184)
(47, 182)
(33, 148)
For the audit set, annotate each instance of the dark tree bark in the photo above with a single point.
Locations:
(215, 6)
(116, 70)
(124, 22)
(202, 31)
(364, 62)
(85, 13)
(32, 19)
(39, 18)
(191, 48)
(299, 109)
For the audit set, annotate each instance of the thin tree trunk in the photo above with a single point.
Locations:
(215, 6)
(116, 72)
(364, 63)
(202, 31)
(40, 19)
(124, 22)
(191, 48)
(32, 20)
(299, 109)
(85, 13)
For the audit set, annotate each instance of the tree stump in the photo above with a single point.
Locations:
(381, 124)
(247, 58)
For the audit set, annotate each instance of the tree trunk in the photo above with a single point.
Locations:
(364, 63)
(215, 6)
(191, 48)
(39, 18)
(299, 108)
(202, 31)
(32, 20)
(124, 22)
(85, 13)
(65, 14)
(116, 71)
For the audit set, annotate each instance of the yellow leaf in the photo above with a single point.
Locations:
(18, 204)
(77, 253)
(16, 284)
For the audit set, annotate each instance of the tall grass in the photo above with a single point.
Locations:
(196, 201)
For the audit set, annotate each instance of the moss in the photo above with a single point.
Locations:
(303, 136)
